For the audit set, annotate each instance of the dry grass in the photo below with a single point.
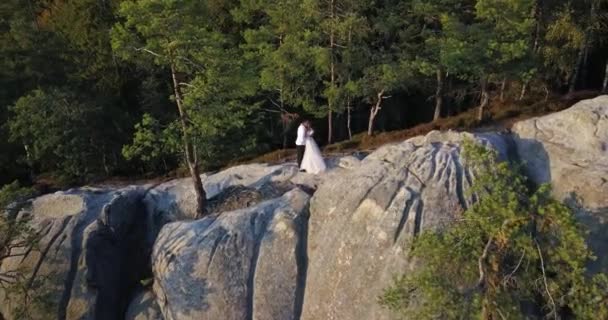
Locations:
(501, 115)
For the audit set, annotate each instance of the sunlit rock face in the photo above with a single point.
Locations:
(281, 244)
(362, 222)
(243, 264)
(569, 149)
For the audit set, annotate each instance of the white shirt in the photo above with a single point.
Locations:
(301, 139)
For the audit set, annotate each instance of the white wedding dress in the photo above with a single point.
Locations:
(312, 161)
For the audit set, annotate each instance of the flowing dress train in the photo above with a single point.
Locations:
(313, 161)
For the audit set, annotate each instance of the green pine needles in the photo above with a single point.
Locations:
(515, 254)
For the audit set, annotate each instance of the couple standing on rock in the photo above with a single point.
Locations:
(310, 158)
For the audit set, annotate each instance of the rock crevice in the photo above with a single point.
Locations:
(284, 245)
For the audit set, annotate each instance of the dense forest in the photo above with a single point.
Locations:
(99, 88)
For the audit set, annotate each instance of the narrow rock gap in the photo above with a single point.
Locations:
(405, 215)
(216, 243)
(69, 280)
(301, 263)
(512, 154)
(254, 260)
(418, 217)
(460, 174)
(44, 252)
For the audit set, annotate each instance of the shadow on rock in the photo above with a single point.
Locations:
(535, 160)
(117, 256)
(596, 223)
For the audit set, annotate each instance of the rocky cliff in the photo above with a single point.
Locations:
(281, 244)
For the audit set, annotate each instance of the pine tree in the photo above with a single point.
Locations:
(211, 79)
(391, 49)
(277, 38)
(514, 253)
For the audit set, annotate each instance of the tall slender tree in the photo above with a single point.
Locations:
(430, 58)
(391, 48)
(340, 29)
(171, 35)
(276, 38)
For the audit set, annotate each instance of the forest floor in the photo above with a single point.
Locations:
(501, 116)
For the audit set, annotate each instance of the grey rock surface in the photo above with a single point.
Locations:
(569, 149)
(96, 243)
(244, 264)
(61, 218)
(144, 307)
(281, 244)
(114, 258)
(363, 221)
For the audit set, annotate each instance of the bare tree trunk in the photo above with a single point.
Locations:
(348, 98)
(577, 69)
(452, 105)
(584, 67)
(104, 160)
(284, 125)
(524, 88)
(503, 86)
(538, 15)
(329, 126)
(588, 35)
(282, 105)
(348, 111)
(485, 98)
(189, 150)
(605, 85)
(373, 112)
(332, 73)
(439, 95)
(485, 312)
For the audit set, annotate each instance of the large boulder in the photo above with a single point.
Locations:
(60, 219)
(175, 200)
(115, 258)
(280, 244)
(569, 149)
(96, 243)
(245, 264)
(91, 254)
(363, 221)
(144, 307)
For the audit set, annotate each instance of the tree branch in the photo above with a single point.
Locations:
(185, 84)
(480, 262)
(521, 259)
(542, 266)
(148, 51)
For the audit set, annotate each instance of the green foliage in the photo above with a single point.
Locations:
(215, 79)
(13, 192)
(513, 254)
(17, 238)
(253, 67)
(58, 132)
(564, 39)
(152, 144)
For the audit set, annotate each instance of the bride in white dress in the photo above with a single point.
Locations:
(313, 161)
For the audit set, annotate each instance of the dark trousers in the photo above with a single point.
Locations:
(300, 150)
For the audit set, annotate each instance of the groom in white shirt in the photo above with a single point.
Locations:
(301, 140)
